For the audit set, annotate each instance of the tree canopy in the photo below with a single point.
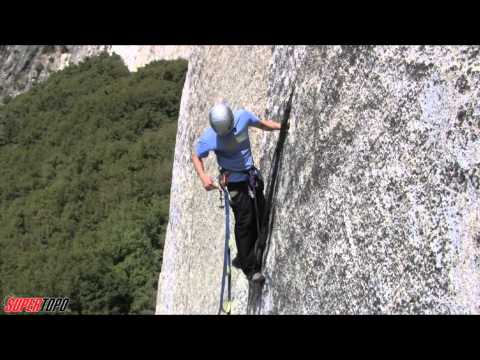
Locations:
(86, 161)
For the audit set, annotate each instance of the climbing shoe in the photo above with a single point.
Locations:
(258, 278)
(236, 262)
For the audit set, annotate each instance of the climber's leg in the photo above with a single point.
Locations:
(245, 234)
(260, 239)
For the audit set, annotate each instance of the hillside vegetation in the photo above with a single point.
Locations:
(86, 161)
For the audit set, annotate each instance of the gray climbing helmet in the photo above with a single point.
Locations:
(221, 119)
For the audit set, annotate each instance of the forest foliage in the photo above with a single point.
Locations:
(86, 162)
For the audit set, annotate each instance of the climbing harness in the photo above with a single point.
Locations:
(225, 306)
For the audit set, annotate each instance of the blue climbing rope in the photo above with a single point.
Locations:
(227, 264)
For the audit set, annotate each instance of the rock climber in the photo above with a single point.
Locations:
(228, 138)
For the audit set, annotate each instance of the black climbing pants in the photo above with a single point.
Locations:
(246, 234)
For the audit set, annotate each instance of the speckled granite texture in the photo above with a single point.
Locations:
(377, 209)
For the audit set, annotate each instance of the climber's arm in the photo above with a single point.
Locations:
(268, 125)
(200, 169)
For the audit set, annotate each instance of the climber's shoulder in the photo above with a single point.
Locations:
(244, 117)
(207, 140)
(239, 112)
(242, 113)
(208, 135)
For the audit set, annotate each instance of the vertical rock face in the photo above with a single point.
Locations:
(21, 66)
(377, 208)
(193, 254)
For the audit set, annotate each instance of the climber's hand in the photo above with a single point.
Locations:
(285, 126)
(208, 184)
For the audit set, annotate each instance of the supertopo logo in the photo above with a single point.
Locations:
(15, 304)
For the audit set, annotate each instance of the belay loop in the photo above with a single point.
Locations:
(225, 306)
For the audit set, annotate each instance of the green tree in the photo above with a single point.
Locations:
(86, 160)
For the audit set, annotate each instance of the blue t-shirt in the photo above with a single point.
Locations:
(233, 150)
